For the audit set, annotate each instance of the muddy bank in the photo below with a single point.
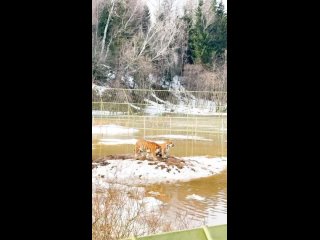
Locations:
(170, 161)
(125, 169)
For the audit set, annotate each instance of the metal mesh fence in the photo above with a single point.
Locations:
(196, 121)
(145, 102)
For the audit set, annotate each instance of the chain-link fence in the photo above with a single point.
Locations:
(148, 102)
(197, 121)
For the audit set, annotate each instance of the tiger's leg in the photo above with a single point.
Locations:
(164, 154)
(147, 153)
(154, 157)
(158, 153)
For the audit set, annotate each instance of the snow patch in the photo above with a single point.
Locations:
(130, 81)
(99, 89)
(106, 113)
(195, 197)
(133, 106)
(151, 203)
(133, 172)
(207, 107)
(154, 193)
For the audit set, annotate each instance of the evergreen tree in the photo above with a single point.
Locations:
(185, 49)
(218, 31)
(102, 21)
(197, 36)
(207, 45)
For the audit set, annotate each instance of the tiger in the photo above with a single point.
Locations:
(147, 146)
(165, 148)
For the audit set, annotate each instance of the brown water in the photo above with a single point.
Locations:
(209, 207)
(209, 202)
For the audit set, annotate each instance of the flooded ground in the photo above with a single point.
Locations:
(193, 136)
(201, 201)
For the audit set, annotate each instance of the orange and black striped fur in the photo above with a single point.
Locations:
(165, 148)
(147, 146)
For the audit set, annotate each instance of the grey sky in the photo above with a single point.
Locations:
(179, 3)
(154, 4)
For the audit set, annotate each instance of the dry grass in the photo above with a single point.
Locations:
(117, 213)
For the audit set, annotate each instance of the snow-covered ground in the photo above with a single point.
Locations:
(154, 109)
(134, 172)
(187, 103)
(99, 89)
(149, 202)
(106, 113)
(125, 204)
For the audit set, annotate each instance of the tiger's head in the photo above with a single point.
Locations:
(169, 144)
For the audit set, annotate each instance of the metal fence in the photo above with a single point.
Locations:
(117, 101)
(197, 120)
(218, 232)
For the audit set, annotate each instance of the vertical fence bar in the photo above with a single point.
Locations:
(207, 233)
(144, 126)
(113, 111)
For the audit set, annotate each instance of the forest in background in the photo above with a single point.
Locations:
(131, 48)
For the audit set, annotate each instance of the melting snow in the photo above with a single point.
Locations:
(105, 113)
(195, 197)
(131, 171)
(99, 89)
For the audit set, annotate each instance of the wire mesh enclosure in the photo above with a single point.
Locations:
(196, 121)
(147, 101)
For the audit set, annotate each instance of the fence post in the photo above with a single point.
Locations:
(196, 128)
(144, 126)
(207, 233)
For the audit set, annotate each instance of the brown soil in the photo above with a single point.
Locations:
(170, 161)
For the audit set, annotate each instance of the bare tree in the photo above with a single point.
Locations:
(214, 80)
(158, 44)
(103, 42)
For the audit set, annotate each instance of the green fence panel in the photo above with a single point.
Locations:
(206, 233)
(218, 232)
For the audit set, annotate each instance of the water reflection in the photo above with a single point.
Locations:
(201, 201)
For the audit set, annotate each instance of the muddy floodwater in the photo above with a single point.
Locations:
(201, 201)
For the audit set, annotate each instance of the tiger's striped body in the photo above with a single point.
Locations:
(148, 147)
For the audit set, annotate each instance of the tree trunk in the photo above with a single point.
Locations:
(105, 31)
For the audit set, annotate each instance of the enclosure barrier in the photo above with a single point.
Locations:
(218, 232)
(118, 101)
(159, 114)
